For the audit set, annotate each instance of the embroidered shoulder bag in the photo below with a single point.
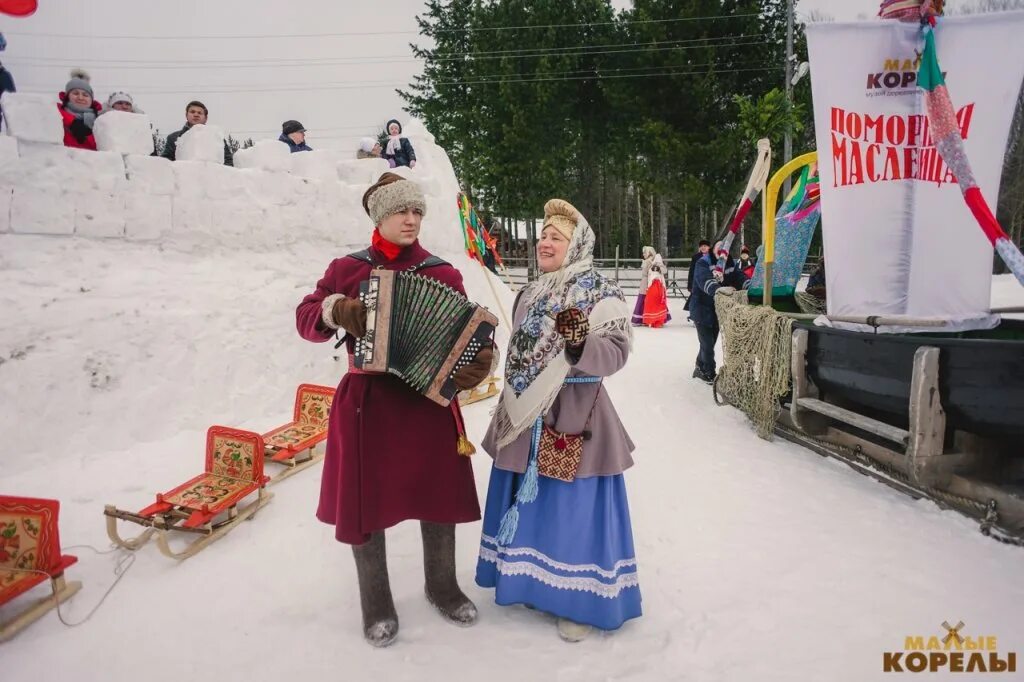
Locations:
(559, 454)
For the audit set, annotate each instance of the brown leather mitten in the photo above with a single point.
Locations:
(476, 371)
(350, 315)
(574, 326)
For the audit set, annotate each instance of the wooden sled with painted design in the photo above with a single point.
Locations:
(301, 443)
(209, 505)
(29, 555)
(486, 389)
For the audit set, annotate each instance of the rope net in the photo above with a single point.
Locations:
(756, 371)
(809, 304)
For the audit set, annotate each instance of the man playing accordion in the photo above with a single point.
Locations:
(392, 454)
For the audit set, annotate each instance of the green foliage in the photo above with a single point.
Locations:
(770, 115)
(615, 112)
(235, 144)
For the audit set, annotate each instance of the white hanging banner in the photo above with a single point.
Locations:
(899, 239)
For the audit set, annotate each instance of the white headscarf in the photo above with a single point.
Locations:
(536, 366)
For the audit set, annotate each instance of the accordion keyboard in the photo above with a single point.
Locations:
(420, 330)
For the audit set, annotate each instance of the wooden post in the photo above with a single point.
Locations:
(686, 228)
(531, 251)
(651, 205)
(639, 227)
(927, 422)
(616, 263)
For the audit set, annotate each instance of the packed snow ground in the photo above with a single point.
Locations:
(758, 560)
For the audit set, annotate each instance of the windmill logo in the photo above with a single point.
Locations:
(953, 633)
(950, 651)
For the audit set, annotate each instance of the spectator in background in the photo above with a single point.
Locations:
(79, 110)
(745, 263)
(368, 149)
(294, 135)
(196, 113)
(708, 280)
(702, 250)
(399, 151)
(6, 84)
(122, 101)
(816, 283)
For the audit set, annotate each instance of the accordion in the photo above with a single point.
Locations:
(420, 330)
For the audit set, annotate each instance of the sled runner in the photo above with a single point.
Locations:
(301, 443)
(487, 388)
(29, 554)
(208, 505)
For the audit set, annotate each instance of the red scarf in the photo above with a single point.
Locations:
(384, 247)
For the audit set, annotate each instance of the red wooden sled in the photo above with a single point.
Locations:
(300, 443)
(209, 505)
(29, 555)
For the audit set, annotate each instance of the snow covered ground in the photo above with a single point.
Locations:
(758, 560)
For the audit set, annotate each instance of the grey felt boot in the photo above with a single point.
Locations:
(380, 622)
(442, 588)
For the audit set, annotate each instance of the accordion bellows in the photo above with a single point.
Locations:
(420, 330)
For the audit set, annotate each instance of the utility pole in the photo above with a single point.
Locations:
(787, 144)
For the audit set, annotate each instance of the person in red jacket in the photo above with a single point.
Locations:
(79, 109)
(392, 454)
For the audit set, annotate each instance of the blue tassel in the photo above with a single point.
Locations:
(508, 527)
(528, 486)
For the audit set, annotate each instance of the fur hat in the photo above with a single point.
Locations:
(561, 215)
(392, 194)
(387, 126)
(79, 81)
(366, 144)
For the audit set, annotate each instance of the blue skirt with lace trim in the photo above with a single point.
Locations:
(572, 554)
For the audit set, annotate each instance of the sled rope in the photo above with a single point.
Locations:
(123, 564)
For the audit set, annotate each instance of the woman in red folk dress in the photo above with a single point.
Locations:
(392, 454)
(656, 300)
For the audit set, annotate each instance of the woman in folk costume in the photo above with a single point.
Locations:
(392, 454)
(645, 281)
(556, 534)
(656, 301)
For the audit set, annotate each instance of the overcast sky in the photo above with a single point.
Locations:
(331, 64)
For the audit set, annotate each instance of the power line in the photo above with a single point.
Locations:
(596, 47)
(480, 78)
(371, 85)
(603, 77)
(723, 41)
(380, 33)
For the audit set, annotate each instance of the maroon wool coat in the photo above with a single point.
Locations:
(391, 453)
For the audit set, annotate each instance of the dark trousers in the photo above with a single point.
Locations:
(708, 335)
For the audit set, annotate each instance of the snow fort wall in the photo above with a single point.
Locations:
(33, 118)
(123, 132)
